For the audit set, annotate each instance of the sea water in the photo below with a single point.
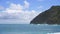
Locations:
(28, 29)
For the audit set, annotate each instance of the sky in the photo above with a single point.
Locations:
(23, 11)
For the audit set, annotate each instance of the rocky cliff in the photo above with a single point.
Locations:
(50, 16)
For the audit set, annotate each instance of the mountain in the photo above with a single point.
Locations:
(50, 16)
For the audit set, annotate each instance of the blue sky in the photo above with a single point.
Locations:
(23, 11)
(33, 3)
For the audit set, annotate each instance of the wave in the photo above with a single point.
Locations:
(54, 33)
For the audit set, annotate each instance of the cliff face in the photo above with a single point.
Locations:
(50, 16)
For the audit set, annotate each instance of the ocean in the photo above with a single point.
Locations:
(28, 29)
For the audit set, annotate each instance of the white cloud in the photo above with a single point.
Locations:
(15, 14)
(1, 8)
(14, 8)
(26, 4)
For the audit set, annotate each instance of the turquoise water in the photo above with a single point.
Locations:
(28, 29)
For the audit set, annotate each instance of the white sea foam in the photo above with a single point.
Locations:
(54, 33)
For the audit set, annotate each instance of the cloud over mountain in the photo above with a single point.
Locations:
(15, 13)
